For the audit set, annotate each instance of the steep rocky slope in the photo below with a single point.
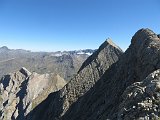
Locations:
(66, 63)
(57, 104)
(22, 91)
(123, 92)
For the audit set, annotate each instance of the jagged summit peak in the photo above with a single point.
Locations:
(24, 71)
(108, 46)
(145, 31)
(142, 35)
(4, 48)
(110, 42)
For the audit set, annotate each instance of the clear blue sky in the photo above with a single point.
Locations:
(50, 25)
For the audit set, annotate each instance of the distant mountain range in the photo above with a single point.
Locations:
(5, 49)
(64, 63)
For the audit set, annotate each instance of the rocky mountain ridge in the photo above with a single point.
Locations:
(91, 71)
(123, 91)
(140, 59)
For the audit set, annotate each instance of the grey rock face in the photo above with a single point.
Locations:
(57, 104)
(141, 100)
(22, 91)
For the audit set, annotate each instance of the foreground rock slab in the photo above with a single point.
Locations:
(22, 91)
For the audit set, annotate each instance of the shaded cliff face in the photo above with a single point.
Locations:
(57, 104)
(22, 91)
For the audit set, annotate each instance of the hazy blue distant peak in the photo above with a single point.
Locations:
(4, 49)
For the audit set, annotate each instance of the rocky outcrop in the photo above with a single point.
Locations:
(22, 91)
(57, 104)
(141, 100)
